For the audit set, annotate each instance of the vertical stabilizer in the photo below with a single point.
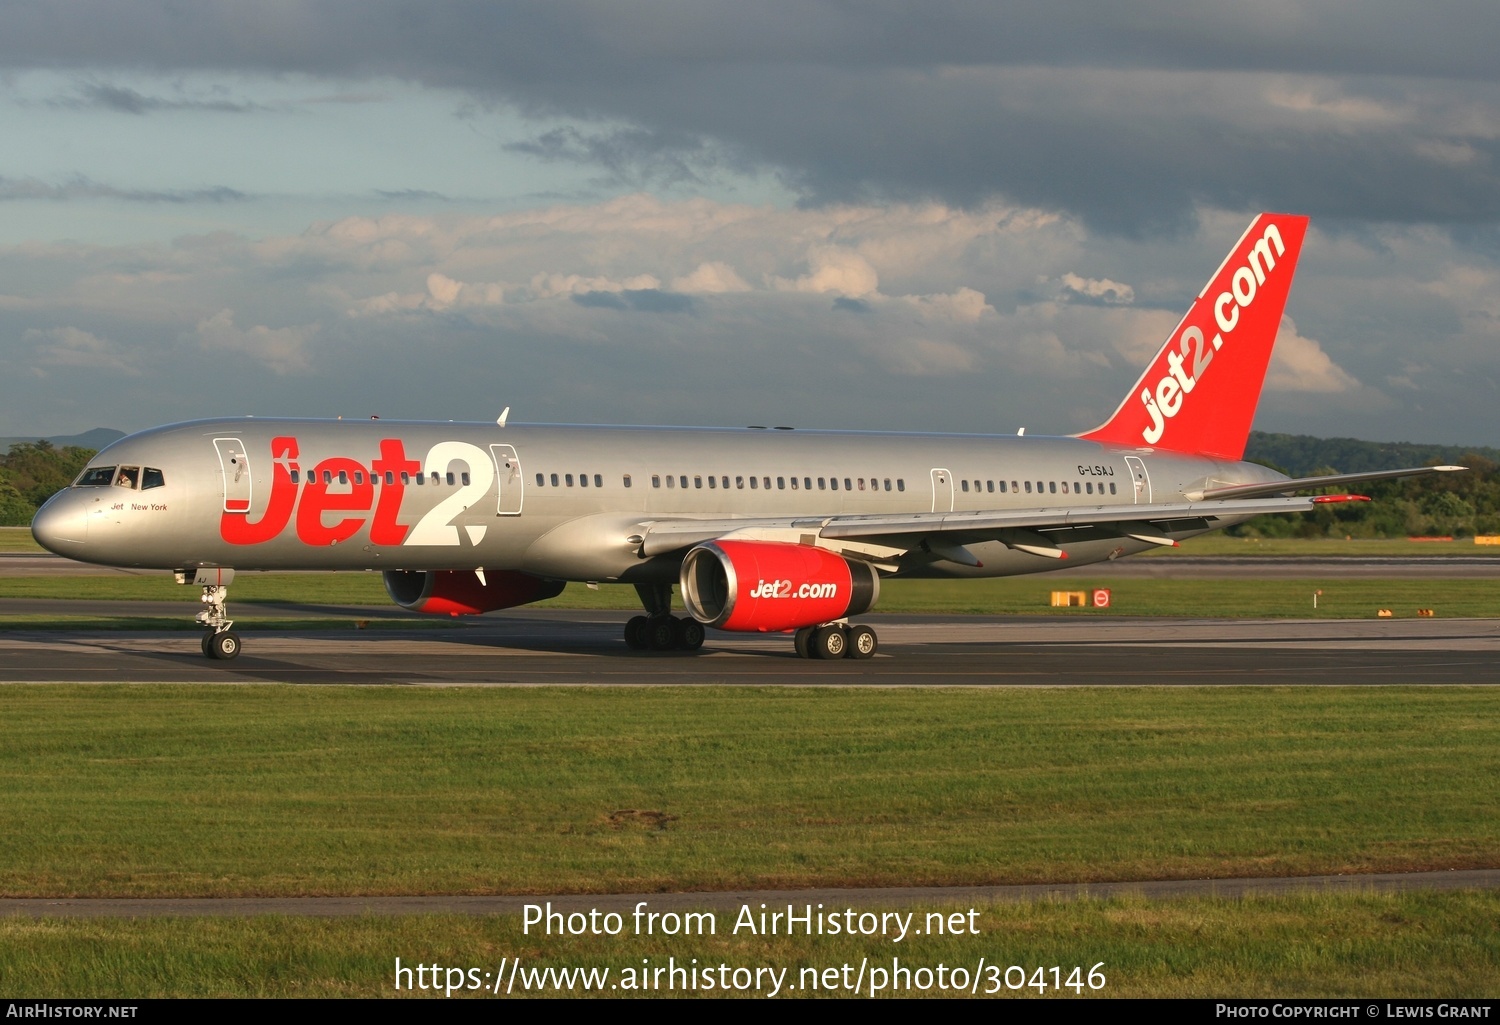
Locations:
(1200, 392)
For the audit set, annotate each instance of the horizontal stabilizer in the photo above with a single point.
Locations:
(1304, 483)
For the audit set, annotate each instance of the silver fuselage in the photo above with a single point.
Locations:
(553, 500)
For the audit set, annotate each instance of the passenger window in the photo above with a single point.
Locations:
(421, 479)
(833, 483)
(1089, 487)
(683, 479)
(1053, 487)
(98, 477)
(1111, 487)
(965, 485)
(861, 484)
(754, 483)
(463, 478)
(766, 483)
(780, 483)
(900, 483)
(806, 483)
(327, 476)
(359, 476)
(540, 480)
(820, 483)
(295, 475)
(436, 480)
(1028, 487)
(671, 481)
(713, 481)
(888, 484)
(626, 479)
(739, 482)
(406, 478)
(598, 480)
(1002, 487)
(449, 477)
(794, 483)
(152, 478)
(344, 477)
(724, 482)
(656, 480)
(846, 485)
(554, 480)
(583, 480)
(697, 481)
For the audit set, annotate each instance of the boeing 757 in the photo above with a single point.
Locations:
(765, 530)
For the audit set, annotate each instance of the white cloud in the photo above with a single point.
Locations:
(1101, 289)
(1299, 364)
(711, 277)
(835, 270)
(74, 348)
(283, 350)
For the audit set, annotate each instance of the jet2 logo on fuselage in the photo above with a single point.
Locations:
(308, 502)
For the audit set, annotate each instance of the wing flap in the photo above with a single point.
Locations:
(1337, 480)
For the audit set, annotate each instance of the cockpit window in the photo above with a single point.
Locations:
(128, 477)
(96, 477)
(152, 478)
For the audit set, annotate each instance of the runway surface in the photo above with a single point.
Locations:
(830, 898)
(576, 648)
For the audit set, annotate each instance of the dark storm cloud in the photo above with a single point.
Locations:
(1128, 116)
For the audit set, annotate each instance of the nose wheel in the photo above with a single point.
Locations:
(219, 642)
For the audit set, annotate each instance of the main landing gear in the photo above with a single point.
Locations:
(658, 629)
(219, 641)
(836, 640)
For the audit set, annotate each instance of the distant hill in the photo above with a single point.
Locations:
(95, 439)
(1301, 454)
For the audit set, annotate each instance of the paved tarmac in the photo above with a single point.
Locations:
(731, 900)
(579, 648)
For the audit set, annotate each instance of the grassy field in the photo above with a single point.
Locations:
(1342, 598)
(296, 790)
(1368, 946)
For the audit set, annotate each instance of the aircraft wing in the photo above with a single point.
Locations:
(1036, 530)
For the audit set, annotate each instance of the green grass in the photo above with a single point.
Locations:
(1444, 945)
(18, 539)
(1342, 598)
(155, 623)
(159, 790)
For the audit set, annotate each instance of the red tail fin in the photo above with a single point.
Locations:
(1200, 392)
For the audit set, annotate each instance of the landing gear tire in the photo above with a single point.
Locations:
(661, 633)
(208, 646)
(830, 642)
(862, 642)
(802, 641)
(635, 633)
(224, 645)
(690, 634)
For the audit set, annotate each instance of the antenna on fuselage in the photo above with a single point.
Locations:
(1021, 433)
(504, 413)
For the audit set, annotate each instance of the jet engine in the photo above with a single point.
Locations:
(773, 586)
(464, 592)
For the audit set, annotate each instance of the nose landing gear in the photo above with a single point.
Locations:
(219, 640)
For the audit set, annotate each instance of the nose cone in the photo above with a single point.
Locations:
(61, 525)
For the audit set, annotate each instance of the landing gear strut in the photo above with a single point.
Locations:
(219, 641)
(658, 629)
(836, 640)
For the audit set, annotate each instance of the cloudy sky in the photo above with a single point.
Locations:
(955, 216)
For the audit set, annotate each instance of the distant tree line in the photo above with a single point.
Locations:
(31, 472)
(1461, 504)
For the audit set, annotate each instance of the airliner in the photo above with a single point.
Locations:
(763, 529)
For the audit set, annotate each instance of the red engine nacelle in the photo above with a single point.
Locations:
(771, 586)
(459, 592)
